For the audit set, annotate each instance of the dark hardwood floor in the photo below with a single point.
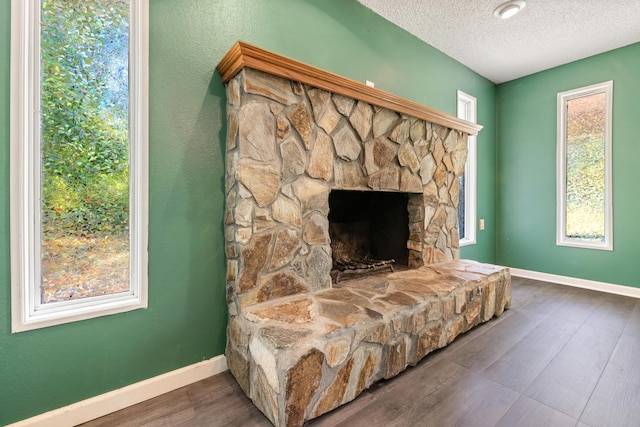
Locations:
(561, 356)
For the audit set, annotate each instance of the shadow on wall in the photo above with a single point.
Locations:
(191, 210)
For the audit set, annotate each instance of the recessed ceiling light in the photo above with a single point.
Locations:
(509, 9)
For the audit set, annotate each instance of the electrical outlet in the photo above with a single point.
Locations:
(370, 83)
(481, 224)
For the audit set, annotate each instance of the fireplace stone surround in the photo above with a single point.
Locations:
(297, 345)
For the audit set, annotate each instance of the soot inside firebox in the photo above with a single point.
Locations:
(369, 231)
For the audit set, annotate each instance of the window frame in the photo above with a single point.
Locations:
(470, 114)
(561, 169)
(27, 312)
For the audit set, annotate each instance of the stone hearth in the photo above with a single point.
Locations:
(298, 346)
(300, 356)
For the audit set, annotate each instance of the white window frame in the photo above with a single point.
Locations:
(27, 312)
(561, 179)
(467, 107)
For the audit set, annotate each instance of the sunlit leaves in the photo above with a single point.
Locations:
(84, 148)
(585, 151)
(84, 116)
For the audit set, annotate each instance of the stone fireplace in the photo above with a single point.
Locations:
(322, 171)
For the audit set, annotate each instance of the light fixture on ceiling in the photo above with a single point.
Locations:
(509, 9)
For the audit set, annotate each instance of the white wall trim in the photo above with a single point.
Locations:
(578, 283)
(468, 110)
(98, 406)
(28, 312)
(561, 167)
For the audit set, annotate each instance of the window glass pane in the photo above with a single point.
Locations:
(462, 206)
(463, 113)
(585, 168)
(84, 155)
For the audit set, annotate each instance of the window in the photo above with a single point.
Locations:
(78, 159)
(584, 167)
(467, 107)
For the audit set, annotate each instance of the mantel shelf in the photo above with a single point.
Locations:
(243, 55)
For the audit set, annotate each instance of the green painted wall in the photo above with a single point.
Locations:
(185, 322)
(526, 114)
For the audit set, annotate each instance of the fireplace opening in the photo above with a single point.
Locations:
(368, 230)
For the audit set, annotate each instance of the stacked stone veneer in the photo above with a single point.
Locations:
(289, 145)
(297, 347)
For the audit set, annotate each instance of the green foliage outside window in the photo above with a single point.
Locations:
(585, 192)
(84, 86)
(84, 117)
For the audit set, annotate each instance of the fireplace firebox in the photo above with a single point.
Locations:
(369, 231)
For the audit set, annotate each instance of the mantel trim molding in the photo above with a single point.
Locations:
(243, 55)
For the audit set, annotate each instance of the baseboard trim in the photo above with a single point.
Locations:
(578, 283)
(98, 406)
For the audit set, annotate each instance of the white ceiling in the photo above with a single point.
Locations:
(545, 34)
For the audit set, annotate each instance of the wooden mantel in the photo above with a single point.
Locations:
(245, 55)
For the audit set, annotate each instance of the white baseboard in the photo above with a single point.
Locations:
(98, 406)
(578, 283)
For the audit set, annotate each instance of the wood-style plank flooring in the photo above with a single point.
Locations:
(560, 356)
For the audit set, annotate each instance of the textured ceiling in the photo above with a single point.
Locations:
(545, 34)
